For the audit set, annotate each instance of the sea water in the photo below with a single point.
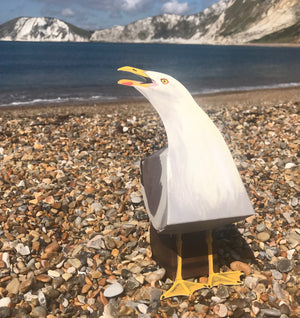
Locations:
(40, 72)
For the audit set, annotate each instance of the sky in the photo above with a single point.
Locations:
(98, 14)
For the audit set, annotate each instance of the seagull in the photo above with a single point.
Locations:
(192, 184)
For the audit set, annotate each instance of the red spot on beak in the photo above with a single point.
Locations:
(127, 83)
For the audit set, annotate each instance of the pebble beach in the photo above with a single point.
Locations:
(74, 232)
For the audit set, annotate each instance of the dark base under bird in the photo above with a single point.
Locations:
(194, 253)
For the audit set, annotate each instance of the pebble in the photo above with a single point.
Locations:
(73, 222)
(276, 274)
(42, 298)
(220, 310)
(53, 273)
(5, 302)
(271, 312)
(277, 290)
(240, 266)
(26, 285)
(5, 259)
(136, 197)
(96, 206)
(260, 227)
(294, 202)
(96, 242)
(289, 165)
(39, 312)
(251, 282)
(13, 286)
(223, 291)
(263, 236)
(5, 312)
(142, 308)
(155, 276)
(66, 276)
(22, 249)
(285, 265)
(113, 290)
(74, 262)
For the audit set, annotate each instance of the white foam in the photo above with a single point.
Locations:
(245, 88)
(58, 100)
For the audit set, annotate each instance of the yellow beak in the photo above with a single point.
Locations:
(138, 72)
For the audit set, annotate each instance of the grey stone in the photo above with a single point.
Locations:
(39, 312)
(285, 265)
(5, 312)
(284, 309)
(155, 294)
(97, 206)
(271, 312)
(276, 274)
(251, 282)
(294, 201)
(277, 289)
(260, 227)
(96, 242)
(293, 238)
(223, 291)
(132, 285)
(42, 298)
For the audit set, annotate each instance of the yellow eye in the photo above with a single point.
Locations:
(164, 81)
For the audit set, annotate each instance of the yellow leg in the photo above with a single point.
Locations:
(181, 287)
(215, 279)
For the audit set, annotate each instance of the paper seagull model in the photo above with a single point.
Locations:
(193, 184)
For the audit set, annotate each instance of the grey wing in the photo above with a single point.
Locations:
(154, 182)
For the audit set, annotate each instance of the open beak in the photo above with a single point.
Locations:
(141, 73)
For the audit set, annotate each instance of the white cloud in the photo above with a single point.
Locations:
(175, 7)
(67, 12)
(134, 5)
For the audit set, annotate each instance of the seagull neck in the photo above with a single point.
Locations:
(184, 121)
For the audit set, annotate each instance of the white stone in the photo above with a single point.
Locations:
(136, 197)
(142, 308)
(290, 253)
(71, 270)
(22, 249)
(113, 290)
(5, 259)
(42, 298)
(153, 277)
(289, 165)
(53, 274)
(28, 297)
(5, 302)
(221, 310)
(81, 299)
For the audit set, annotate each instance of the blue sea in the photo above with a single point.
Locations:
(37, 73)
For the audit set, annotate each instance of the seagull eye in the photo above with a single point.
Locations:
(164, 81)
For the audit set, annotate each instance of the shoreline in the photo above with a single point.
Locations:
(263, 44)
(245, 98)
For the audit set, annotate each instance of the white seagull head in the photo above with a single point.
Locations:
(155, 85)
